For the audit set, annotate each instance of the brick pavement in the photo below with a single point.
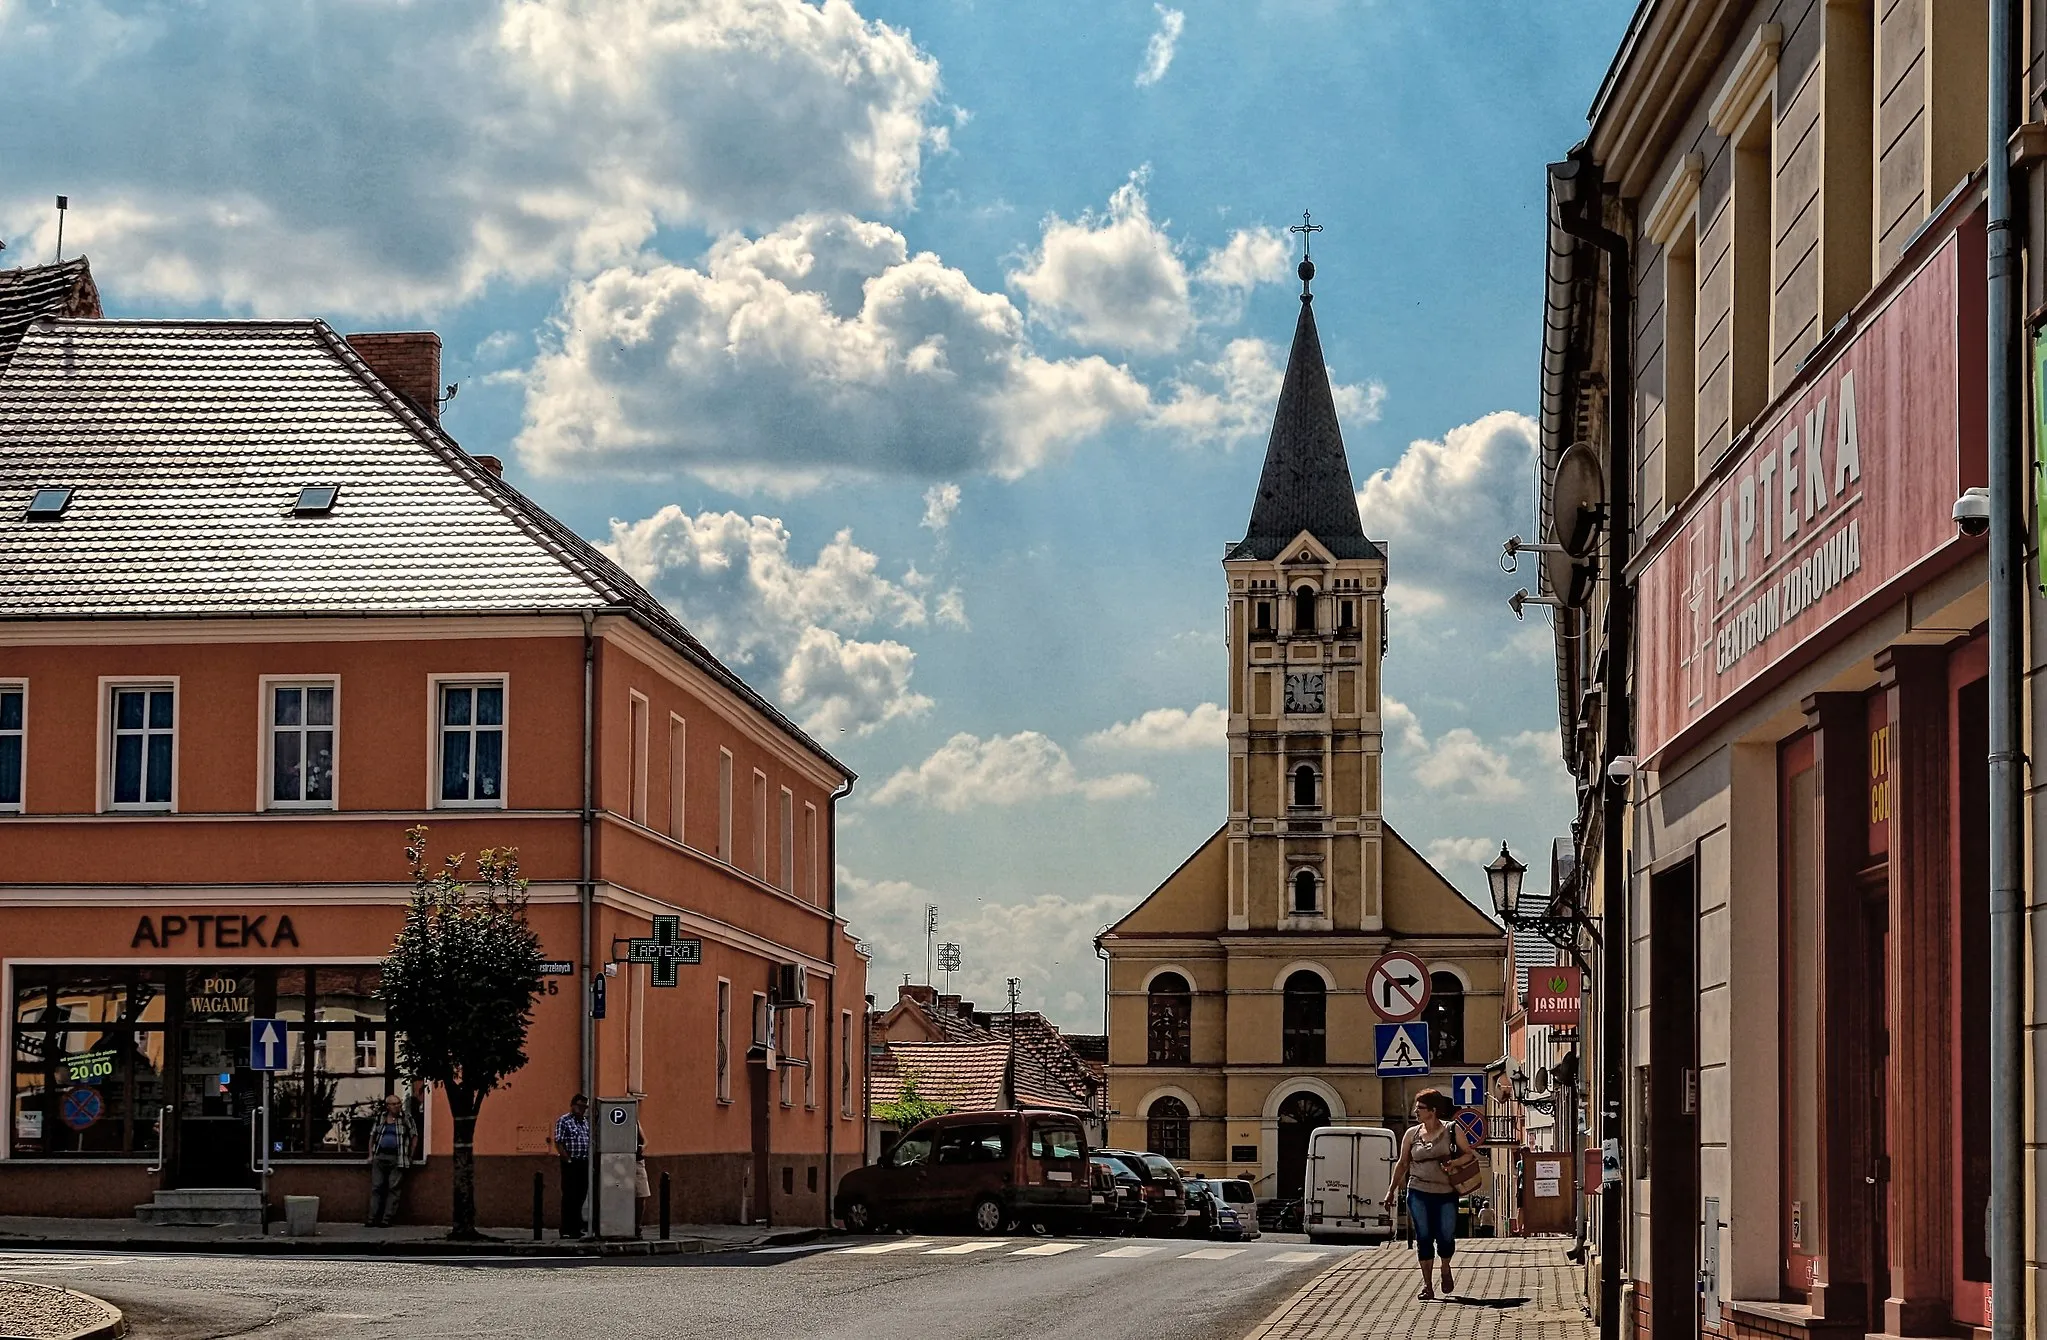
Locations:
(1507, 1289)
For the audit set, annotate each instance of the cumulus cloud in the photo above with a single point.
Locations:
(967, 772)
(1450, 502)
(732, 581)
(1158, 51)
(821, 349)
(1230, 400)
(1251, 257)
(1113, 279)
(1462, 763)
(1168, 730)
(1455, 853)
(425, 151)
(940, 502)
(1059, 974)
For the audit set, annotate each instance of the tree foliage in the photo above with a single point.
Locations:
(911, 1107)
(459, 986)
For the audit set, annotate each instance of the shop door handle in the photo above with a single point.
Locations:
(163, 1141)
(255, 1140)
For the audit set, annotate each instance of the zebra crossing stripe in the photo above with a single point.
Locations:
(1212, 1254)
(963, 1248)
(1290, 1257)
(1132, 1250)
(1050, 1249)
(877, 1248)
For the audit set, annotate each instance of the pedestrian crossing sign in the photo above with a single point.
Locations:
(1403, 1048)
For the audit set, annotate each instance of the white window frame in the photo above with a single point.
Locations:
(760, 825)
(786, 876)
(21, 686)
(724, 1059)
(266, 719)
(810, 870)
(725, 805)
(636, 744)
(108, 686)
(678, 775)
(434, 685)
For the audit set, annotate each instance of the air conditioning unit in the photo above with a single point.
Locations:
(792, 984)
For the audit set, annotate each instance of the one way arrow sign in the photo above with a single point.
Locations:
(266, 1044)
(1468, 1090)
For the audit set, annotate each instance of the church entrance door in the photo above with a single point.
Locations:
(1299, 1115)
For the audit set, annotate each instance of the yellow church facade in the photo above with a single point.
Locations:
(1240, 1015)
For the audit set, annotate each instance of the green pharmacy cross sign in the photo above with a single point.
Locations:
(666, 949)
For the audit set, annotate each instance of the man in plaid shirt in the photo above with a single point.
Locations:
(571, 1141)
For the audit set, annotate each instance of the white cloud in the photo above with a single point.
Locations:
(940, 502)
(1231, 400)
(1251, 257)
(1046, 940)
(1450, 503)
(821, 349)
(1158, 51)
(1168, 730)
(968, 771)
(1112, 279)
(395, 159)
(731, 580)
(1461, 763)
(1455, 853)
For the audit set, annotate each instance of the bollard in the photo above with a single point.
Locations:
(539, 1203)
(664, 1207)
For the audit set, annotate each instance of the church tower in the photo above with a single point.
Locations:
(1306, 621)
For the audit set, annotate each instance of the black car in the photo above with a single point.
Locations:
(1165, 1197)
(1126, 1213)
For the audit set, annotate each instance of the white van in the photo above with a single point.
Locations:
(1350, 1184)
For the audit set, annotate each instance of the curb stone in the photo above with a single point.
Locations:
(112, 1325)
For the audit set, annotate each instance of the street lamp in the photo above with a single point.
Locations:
(1560, 922)
(1505, 874)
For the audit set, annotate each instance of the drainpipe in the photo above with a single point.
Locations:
(585, 897)
(2007, 755)
(831, 1038)
(1577, 186)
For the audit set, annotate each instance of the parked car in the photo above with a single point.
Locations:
(1350, 1184)
(1202, 1205)
(993, 1169)
(1236, 1209)
(1126, 1214)
(1165, 1198)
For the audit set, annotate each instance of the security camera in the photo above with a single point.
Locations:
(1972, 512)
(1621, 768)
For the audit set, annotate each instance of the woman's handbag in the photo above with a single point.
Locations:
(1464, 1172)
(641, 1187)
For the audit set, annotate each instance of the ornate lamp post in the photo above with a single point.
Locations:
(1560, 923)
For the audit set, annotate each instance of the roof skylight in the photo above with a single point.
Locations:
(316, 500)
(48, 504)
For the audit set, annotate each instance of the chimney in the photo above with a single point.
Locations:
(409, 362)
(494, 464)
(923, 995)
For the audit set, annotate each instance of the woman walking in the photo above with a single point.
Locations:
(1431, 1197)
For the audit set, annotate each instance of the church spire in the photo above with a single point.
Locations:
(1306, 482)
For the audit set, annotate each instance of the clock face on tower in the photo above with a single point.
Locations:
(1304, 693)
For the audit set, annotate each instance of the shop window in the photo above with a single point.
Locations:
(144, 747)
(1166, 1128)
(302, 733)
(1304, 1015)
(1170, 1018)
(13, 743)
(1445, 1018)
(472, 744)
(1801, 896)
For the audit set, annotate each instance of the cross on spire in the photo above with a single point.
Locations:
(1307, 228)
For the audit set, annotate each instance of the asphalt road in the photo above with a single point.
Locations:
(841, 1289)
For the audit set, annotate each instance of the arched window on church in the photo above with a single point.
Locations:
(1304, 785)
(1445, 1018)
(1171, 1020)
(1304, 610)
(1165, 1128)
(1306, 891)
(1304, 1015)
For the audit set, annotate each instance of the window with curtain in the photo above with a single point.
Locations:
(1171, 1020)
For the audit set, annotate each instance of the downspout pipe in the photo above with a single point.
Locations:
(2007, 754)
(586, 897)
(831, 1033)
(1579, 193)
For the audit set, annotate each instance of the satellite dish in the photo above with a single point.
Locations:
(1578, 501)
(1569, 580)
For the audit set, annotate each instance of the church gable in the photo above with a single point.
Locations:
(1193, 899)
(1420, 902)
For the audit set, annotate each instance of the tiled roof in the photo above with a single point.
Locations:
(1306, 482)
(967, 1075)
(1530, 951)
(186, 443)
(62, 289)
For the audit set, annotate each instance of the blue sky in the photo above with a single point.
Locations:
(921, 354)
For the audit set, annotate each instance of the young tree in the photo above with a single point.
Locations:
(459, 986)
(911, 1107)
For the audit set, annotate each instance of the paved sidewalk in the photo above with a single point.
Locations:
(1507, 1289)
(49, 1232)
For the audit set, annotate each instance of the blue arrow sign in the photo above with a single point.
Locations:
(1403, 1048)
(266, 1044)
(1467, 1090)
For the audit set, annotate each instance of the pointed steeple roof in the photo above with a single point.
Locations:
(1306, 483)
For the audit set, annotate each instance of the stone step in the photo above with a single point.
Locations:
(200, 1206)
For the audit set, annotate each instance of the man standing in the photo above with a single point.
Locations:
(571, 1141)
(391, 1143)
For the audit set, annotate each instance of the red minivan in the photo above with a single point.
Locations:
(994, 1170)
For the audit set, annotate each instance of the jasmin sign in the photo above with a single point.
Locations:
(1555, 996)
(1846, 488)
